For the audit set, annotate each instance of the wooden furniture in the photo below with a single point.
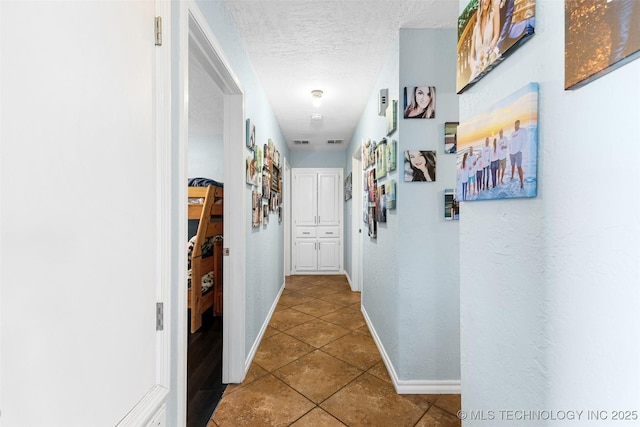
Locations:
(210, 228)
(317, 220)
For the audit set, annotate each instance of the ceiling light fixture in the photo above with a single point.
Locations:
(316, 116)
(316, 94)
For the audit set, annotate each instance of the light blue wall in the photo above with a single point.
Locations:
(264, 246)
(410, 291)
(428, 250)
(317, 159)
(380, 256)
(549, 286)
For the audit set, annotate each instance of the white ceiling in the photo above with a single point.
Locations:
(337, 46)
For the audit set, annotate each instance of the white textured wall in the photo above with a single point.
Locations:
(550, 286)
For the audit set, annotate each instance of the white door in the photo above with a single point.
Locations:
(81, 213)
(329, 199)
(305, 199)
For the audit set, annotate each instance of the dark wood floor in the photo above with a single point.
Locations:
(204, 371)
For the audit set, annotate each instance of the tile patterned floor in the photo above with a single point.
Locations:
(318, 366)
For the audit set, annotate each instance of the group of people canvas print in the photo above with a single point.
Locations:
(497, 150)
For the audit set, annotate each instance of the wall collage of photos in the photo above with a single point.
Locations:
(263, 174)
(378, 158)
(497, 149)
(420, 165)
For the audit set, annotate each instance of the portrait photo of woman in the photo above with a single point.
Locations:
(419, 166)
(420, 102)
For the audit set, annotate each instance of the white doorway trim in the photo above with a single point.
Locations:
(356, 221)
(287, 217)
(196, 37)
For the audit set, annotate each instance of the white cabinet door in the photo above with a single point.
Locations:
(329, 198)
(306, 255)
(305, 188)
(328, 254)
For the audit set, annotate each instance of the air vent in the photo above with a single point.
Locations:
(300, 142)
(335, 141)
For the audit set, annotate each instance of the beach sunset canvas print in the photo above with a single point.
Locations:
(497, 155)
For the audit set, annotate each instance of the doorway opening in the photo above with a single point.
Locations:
(201, 55)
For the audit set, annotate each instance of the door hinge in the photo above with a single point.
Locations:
(158, 30)
(159, 316)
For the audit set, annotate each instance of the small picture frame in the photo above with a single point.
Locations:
(420, 102)
(275, 178)
(348, 187)
(391, 115)
(251, 135)
(451, 205)
(419, 166)
(451, 137)
(392, 155)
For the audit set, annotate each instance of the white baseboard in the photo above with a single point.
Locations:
(410, 386)
(263, 329)
(348, 279)
(153, 404)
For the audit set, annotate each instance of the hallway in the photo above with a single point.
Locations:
(317, 365)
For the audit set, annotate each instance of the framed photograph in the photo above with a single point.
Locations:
(275, 178)
(488, 32)
(420, 102)
(373, 224)
(265, 214)
(365, 209)
(371, 185)
(256, 212)
(252, 173)
(450, 137)
(251, 135)
(419, 166)
(390, 194)
(600, 36)
(451, 205)
(372, 152)
(348, 187)
(498, 149)
(392, 155)
(381, 204)
(366, 162)
(381, 159)
(266, 181)
(391, 115)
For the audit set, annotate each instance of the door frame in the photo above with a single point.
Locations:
(356, 221)
(287, 217)
(196, 33)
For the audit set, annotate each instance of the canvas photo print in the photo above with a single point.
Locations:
(450, 137)
(419, 166)
(600, 36)
(498, 149)
(488, 32)
(420, 102)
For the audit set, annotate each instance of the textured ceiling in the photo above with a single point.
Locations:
(338, 47)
